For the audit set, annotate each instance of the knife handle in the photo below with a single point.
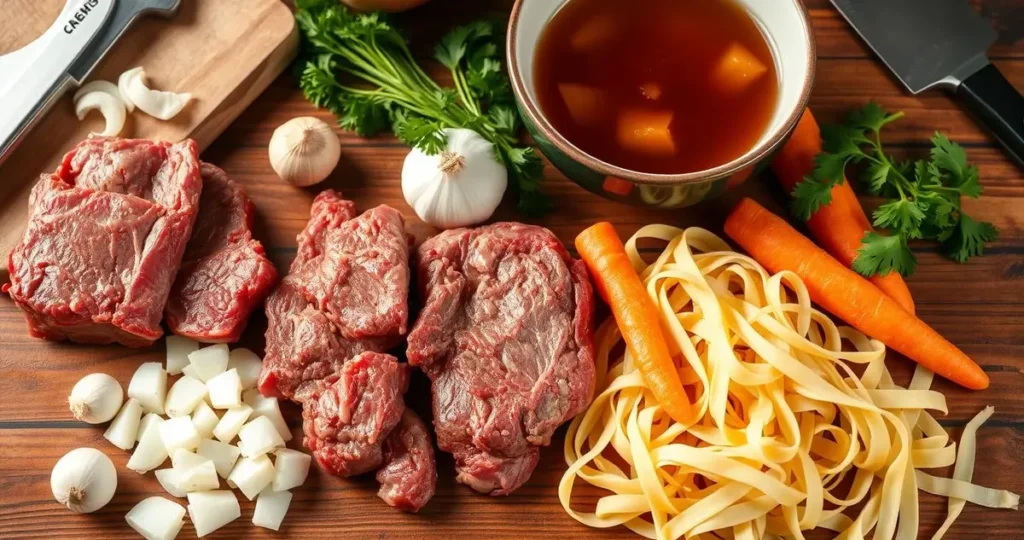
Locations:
(993, 100)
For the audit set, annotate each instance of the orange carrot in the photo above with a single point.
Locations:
(636, 315)
(840, 226)
(846, 294)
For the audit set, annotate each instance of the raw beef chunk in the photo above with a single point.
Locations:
(505, 337)
(104, 240)
(347, 292)
(409, 475)
(225, 273)
(348, 415)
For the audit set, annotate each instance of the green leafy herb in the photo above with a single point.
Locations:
(358, 66)
(923, 196)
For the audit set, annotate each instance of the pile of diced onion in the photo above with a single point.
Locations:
(213, 424)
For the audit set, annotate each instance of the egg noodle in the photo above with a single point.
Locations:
(786, 436)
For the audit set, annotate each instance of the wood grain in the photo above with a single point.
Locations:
(225, 53)
(979, 306)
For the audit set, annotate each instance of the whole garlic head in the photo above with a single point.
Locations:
(460, 186)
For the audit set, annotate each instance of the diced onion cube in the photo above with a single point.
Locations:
(271, 507)
(148, 420)
(222, 455)
(269, 407)
(124, 430)
(290, 468)
(149, 387)
(248, 365)
(194, 472)
(209, 362)
(185, 459)
(179, 433)
(259, 436)
(156, 518)
(211, 510)
(178, 349)
(251, 475)
(204, 418)
(225, 390)
(231, 423)
(190, 371)
(184, 396)
(151, 452)
(170, 480)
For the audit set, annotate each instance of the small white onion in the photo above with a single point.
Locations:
(96, 398)
(84, 480)
(304, 151)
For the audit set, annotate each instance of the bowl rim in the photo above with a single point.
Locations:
(749, 159)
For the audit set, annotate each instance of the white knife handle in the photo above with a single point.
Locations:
(42, 84)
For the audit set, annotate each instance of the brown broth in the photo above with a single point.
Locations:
(631, 68)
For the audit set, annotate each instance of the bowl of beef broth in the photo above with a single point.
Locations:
(660, 102)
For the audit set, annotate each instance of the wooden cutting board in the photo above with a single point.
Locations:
(225, 52)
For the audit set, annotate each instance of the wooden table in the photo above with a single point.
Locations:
(978, 306)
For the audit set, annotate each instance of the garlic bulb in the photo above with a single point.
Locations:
(304, 151)
(84, 480)
(460, 186)
(96, 398)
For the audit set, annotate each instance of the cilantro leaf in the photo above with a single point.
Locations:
(949, 161)
(809, 195)
(968, 238)
(877, 177)
(420, 132)
(871, 117)
(881, 254)
(902, 215)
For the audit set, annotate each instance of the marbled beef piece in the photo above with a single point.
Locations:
(347, 292)
(409, 475)
(104, 240)
(225, 273)
(347, 416)
(505, 336)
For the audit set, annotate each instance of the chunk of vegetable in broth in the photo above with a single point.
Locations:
(737, 68)
(651, 91)
(588, 106)
(598, 30)
(646, 132)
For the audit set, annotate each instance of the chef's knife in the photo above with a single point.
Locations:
(943, 44)
(67, 54)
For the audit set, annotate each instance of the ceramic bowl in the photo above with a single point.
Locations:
(787, 27)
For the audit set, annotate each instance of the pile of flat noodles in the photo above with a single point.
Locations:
(786, 437)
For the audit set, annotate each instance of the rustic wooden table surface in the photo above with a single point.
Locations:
(978, 306)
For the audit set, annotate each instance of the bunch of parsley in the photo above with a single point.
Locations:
(922, 196)
(358, 66)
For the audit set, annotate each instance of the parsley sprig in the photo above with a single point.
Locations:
(358, 66)
(922, 196)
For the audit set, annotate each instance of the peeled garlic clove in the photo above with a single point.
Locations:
(111, 108)
(84, 480)
(122, 89)
(304, 151)
(156, 103)
(96, 398)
